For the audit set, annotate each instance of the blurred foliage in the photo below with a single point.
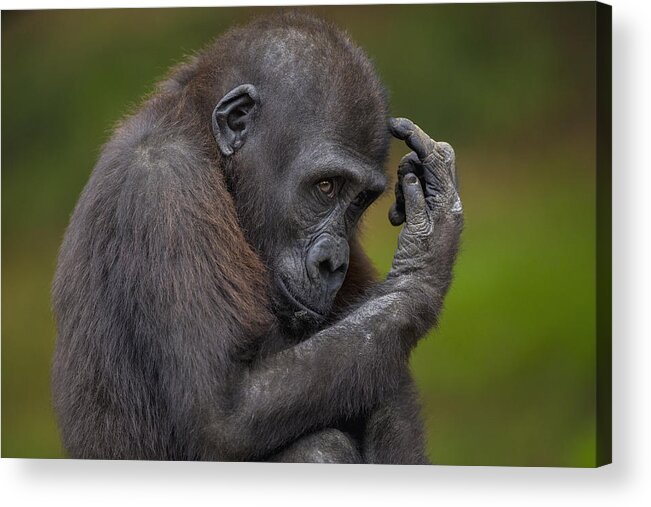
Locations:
(509, 376)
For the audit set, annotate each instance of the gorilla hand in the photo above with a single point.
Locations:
(427, 201)
(432, 162)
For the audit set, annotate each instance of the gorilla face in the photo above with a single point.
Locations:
(308, 184)
(323, 194)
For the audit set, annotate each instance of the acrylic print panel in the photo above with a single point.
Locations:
(211, 300)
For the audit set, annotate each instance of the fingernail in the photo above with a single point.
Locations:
(411, 179)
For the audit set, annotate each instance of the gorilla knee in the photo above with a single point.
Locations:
(334, 446)
(327, 446)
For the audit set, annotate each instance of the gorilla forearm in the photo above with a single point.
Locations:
(340, 372)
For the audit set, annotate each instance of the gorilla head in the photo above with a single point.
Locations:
(303, 126)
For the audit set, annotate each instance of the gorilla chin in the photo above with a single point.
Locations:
(298, 315)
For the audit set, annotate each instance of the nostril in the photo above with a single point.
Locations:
(324, 269)
(332, 274)
(328, 269)
(335, 267)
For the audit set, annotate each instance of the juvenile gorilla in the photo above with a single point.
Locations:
(211, 298)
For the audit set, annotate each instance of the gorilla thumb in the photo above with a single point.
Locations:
(415, 206)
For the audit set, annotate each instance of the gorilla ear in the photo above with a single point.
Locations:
(233, 117)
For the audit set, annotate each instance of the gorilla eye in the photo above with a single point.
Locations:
(327, 187)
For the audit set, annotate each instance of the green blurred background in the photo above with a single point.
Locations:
(509, 377)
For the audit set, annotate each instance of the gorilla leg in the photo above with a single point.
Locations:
(326, 446)
(394, 431)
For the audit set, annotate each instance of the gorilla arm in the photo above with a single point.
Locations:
(351, 366)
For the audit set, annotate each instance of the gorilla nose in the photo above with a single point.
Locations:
(327, 260)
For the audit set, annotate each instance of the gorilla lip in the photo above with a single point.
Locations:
(296, 302)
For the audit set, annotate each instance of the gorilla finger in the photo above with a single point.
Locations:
(397, 209)
(440, 174)
(400, 197)
(396, 214)
(437, 179)
(415, 206)
(445, 151)
(447, 156)
(410, 164)
(413, 135)
(400, 127)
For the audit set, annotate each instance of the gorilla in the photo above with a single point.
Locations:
(211, 297)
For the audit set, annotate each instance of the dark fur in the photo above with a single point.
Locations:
(169, 344)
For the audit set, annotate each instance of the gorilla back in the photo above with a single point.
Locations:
(211, 298)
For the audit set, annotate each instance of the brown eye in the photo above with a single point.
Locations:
(327, 187)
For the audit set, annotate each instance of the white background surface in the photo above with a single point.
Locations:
(626, 482)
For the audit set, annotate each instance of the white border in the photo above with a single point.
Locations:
(626, 482)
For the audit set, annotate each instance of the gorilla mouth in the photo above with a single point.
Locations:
(297, 302)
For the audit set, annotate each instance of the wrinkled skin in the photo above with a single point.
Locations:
(310, 265)
(211, 297)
